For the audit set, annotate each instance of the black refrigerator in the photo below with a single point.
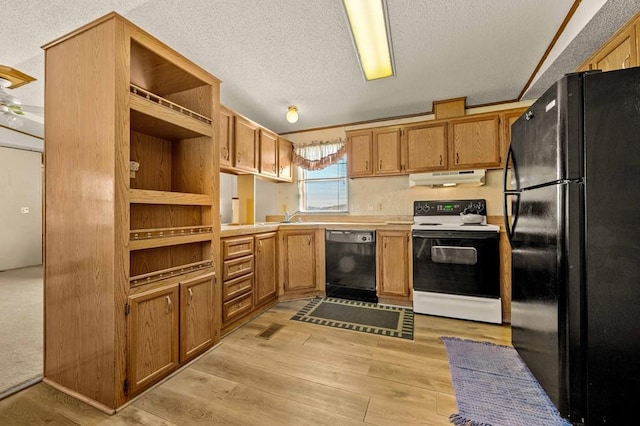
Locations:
(574, 229)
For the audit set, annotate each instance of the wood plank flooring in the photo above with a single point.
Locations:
(305, 374)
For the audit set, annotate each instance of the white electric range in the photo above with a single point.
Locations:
(455, 265)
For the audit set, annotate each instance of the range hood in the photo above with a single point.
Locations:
(464, 178)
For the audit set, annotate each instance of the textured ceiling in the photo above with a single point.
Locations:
(275, 53)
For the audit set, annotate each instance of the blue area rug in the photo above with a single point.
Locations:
(494, 387)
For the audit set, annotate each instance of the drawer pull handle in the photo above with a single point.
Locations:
(169, 306)
(190, 301)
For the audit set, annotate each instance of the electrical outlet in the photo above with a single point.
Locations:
(379, 205)
(370, 207)
(24, 209)
(355, 207)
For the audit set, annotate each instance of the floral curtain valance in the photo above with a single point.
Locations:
(317, 155)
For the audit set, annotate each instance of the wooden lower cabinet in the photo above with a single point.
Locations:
(153, 336)
(266, 279)
(299, 261)
(392, 258)
(197, 331)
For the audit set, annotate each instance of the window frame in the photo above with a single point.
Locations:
(302, 194)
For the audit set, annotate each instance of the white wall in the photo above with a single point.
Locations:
(266, 201)
(20, 187)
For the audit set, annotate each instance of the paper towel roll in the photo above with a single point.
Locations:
(235, 210)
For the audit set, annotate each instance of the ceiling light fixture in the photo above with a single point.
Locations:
(292, 114)
(10, 106)
(370, 31)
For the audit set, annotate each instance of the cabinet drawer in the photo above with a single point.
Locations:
(237, 287)
(236, 247)
(237, 307)
(237, 267)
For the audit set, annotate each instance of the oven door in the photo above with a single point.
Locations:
(457, 262)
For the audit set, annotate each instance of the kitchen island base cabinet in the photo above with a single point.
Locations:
(393, 264)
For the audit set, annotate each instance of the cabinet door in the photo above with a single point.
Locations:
(360, 153)
(153, 336)
(226, 137)
(196, 316)
(285, 160)
(268, 153)
(386, 144)
(425, 148)
(393, 263)
(509, 118)
(299, 260)
(265, 268)
(246, 145)
(475, 142)
(619, 53)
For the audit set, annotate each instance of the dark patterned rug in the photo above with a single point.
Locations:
(385, 320)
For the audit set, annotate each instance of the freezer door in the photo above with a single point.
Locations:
(612, 252)
(547, 136)
(537, 312)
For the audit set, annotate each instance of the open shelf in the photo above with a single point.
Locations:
(157, 74)
(158, 119)
(157, 263)
(168, 273)
(141, 239)
(146, 196)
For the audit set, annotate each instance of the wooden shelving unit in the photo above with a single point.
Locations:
(132, 214)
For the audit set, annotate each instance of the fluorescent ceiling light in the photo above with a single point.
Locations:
(370, 34)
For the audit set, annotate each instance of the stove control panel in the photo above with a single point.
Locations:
(449, 208)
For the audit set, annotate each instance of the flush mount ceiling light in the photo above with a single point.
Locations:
(14, 77)
(292, 114)
(370, 31)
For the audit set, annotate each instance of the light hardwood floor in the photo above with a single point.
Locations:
(304, 375)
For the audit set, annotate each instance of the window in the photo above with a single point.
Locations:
(324, 190)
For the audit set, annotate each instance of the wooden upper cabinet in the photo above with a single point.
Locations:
(475, 142)
(508, 118)
(285, 160)
(619, 53)
(196, 316)
(360, 153)
(153, 336)
(268, 153)
(424, 148)
(246, 145)
(393, 263)
(386, 143)
(226, 137)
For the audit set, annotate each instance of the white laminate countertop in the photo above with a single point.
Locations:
(237, 230)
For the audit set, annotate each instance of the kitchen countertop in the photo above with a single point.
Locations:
(238, 230)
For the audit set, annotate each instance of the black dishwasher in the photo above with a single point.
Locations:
(351, 264)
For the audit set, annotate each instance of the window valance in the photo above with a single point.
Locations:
(317, 155)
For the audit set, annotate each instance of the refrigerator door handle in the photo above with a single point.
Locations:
(507, 193)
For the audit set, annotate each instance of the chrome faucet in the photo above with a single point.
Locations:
(288, 217)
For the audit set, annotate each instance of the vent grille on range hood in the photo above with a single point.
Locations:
(464, 178)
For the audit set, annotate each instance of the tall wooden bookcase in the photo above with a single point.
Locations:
(132, 211)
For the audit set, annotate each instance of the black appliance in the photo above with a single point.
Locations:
(350, 264)
(575, 240)
(455, 264)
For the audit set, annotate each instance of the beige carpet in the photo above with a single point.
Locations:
(21, 328)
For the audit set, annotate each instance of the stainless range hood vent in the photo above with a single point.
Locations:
(462, 178)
